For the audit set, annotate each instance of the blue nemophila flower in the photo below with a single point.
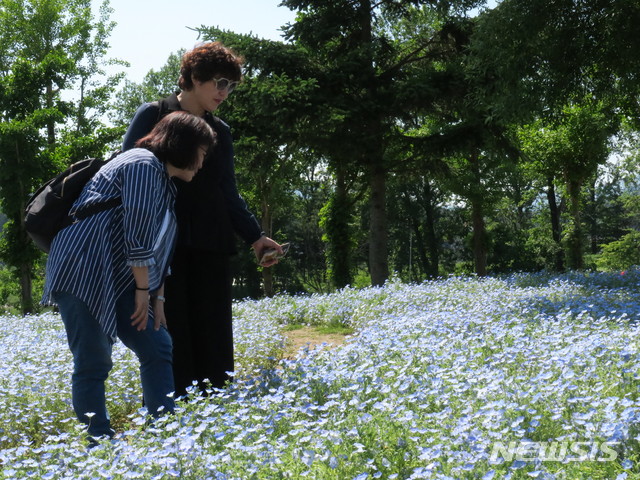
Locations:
(627, 464)
(441, 380)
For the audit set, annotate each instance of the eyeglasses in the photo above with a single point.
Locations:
(225, 84)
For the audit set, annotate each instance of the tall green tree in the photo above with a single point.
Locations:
(362, 69)
(458, 132)
(47, 47)
(570, 149)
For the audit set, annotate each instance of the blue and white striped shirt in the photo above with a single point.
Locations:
(92, 258)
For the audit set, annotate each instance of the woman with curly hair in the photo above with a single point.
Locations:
(210, 212)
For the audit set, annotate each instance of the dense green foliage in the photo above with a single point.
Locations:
(47, 48)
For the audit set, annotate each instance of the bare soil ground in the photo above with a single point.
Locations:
(309, 335)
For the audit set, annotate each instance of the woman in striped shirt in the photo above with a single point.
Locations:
(106, 272)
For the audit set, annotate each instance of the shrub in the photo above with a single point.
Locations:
(621, 254)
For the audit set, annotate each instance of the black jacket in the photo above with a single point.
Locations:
(209, 208)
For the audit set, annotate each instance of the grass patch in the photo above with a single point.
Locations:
(292, 326)
(335, 329)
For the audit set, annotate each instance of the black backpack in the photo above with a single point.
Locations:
(47, 211)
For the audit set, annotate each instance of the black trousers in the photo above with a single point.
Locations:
(198, 311)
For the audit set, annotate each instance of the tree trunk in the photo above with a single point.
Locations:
(26, 266)
(574, 237)
(427, 244)
(25, 273)
(267, 273)
(26, 299)
(338, 233)
(479, 237)
(430, 230)
(556, 233)
(420, 243)
(422, 250)
(267, 281)
(378, 229)
(593, 222)
(51, 127)
(373, 151)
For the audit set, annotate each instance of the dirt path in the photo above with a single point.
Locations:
(310, 335)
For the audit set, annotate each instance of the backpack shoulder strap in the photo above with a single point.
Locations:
(85, 212)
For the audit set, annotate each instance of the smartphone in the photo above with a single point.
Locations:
(271, 253)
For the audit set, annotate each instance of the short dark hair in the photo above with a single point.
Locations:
(207, 61)
(177, 137)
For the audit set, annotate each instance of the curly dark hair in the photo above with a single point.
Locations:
(207, 61)
(177, 137)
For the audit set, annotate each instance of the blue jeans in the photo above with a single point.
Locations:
(91, 350)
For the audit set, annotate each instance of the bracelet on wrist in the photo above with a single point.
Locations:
(142, 289)
(160, 297)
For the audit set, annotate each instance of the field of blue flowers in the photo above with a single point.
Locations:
(518, 377)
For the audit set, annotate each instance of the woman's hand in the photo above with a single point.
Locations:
(140, 315)
(262, 244)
